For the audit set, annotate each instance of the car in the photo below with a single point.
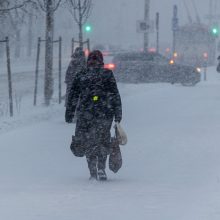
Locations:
(150, 67)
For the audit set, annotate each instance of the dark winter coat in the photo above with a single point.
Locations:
(99, 97)
(77, 64)
(99, 103)
(218, 66)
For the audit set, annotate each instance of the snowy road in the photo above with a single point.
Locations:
(171, 167)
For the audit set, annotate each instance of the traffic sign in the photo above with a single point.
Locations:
(144, 27)
(175, 24)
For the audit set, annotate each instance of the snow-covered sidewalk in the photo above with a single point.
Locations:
(171, 166)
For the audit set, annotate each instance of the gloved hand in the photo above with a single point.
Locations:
(69, 116)
(117, 120)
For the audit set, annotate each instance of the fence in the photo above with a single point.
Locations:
(6, 41)
(59, 41)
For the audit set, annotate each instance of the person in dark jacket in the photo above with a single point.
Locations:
(218, 66)
(77, 64)
(99, 104)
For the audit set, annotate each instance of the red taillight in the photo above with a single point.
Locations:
(110, 66)
(205, 55)
(152, 50)
(86, 51)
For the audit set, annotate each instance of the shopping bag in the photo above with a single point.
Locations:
(120, 134)
(115, 157)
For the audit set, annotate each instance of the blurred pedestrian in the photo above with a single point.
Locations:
(218, 66)
(77, 64)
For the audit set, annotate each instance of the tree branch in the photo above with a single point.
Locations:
(57, 6)
(15, 6)
(42, 6)
(85, 10)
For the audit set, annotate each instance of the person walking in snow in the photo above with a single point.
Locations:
(99, 104)
(77, 64)
(218, 66)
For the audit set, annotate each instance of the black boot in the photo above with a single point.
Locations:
(92, 165)
(102, 157)
(102, 175)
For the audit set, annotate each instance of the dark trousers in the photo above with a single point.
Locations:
(96, 162)
(96, 136)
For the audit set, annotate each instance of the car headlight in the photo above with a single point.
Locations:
(171, 62)
(198, 70)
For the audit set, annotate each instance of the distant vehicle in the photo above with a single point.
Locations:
(195, 45)
(147, 67)
(106, 49)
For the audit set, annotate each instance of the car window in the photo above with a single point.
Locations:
(134, 57)
(140, 57)
(160, 59)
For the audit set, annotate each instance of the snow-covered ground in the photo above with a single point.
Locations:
(171, 168)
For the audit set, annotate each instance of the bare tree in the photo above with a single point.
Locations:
(17, 20)
(3, 5)
(8, 5)
(32, 12)
(30, 32)
(80, 10)
(3, 29)
(49, 7)
(11, 19)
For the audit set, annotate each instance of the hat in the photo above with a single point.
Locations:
(78, 53)
(95, 59)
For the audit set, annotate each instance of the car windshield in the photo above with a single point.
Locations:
(154, 57)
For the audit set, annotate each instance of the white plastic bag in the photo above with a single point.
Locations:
(120, 134)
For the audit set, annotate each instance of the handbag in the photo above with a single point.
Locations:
(115, 157)
(77, 147)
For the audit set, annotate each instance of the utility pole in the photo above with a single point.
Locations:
(157, 28)
(210, 12)
(210, 15)
(174, 26)
(80, 25)
(147, 19)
